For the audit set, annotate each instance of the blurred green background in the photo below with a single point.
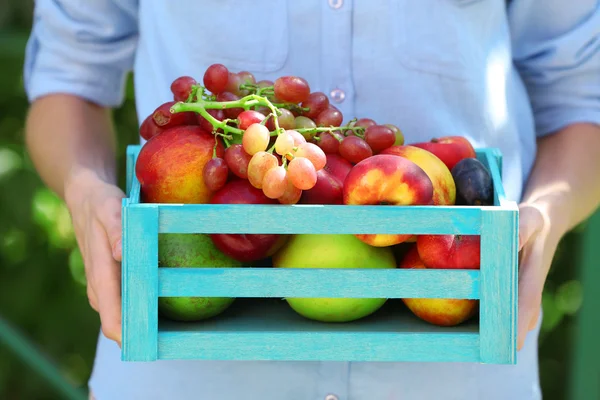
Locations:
(43, 299)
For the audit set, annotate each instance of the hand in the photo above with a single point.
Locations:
(537, 245)
(95, 207)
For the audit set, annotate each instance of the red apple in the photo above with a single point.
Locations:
(449, 251)
(327, 190)
(442, 312)
(169, 165)
(391, 180)
(245, 247)
(449, 149)
(338, 166)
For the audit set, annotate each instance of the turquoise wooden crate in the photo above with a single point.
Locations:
(259, 326)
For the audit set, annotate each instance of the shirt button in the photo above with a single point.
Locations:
(331, 397)
(337, 95)
(336, 4)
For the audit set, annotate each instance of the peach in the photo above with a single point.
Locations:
(449, 149)
(169, 166)
(386, 179)
(444, 189)
(449, 251)
(442, 312)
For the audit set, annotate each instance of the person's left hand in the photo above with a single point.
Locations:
(538, 239)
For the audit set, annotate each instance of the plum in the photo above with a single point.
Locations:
(473, 181)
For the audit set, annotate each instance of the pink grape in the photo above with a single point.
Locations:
(275, 182)
(237, 160)
(182, 87)
(298, 138)
(355, 149)
(291, 195)
(314, 154)
(215, 173)
(284, 143)
(260, 163)
(215, 78)
(303, 122)
(291, 89)
(302, 173)
(255, 138)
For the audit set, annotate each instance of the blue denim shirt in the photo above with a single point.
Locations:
(499, 76)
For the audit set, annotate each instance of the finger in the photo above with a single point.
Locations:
(109, 215)
(530, 290)
(530, 222)
(535, 319)
(107, 283)
(92, 298)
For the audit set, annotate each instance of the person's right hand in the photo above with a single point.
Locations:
(95, 208)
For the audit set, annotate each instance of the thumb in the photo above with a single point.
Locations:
(530, 222)
(110, 218)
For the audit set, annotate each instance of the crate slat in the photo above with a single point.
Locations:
(318, 282)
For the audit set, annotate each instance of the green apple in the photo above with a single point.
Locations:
(333, 251)
(191, 250)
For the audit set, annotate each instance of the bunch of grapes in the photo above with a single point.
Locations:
(277, 134)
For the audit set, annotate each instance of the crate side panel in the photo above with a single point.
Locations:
(499, 286)
(140, 284)
(327, 346)
(317, 282)
(318, 219)
(489, 159)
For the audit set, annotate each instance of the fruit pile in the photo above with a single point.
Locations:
(231, 139)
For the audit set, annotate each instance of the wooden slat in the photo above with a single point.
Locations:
(499, 286)
(330, 219)
(304, 282)
(140, 284)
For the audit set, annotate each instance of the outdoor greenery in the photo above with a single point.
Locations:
(41, 272)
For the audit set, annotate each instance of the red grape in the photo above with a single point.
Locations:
(286, 119)
(354, 149)
(379, 137)
(264, 83)
(398, 133)
(247, 77)
(182, 87)
(284, 144)
(313, 153)
(331, 116)
(365, 122)
(163, 117)
(233, 84)
(255, 139)
(149, 129)
(249, 117)
(291, 195)
(216, 77)
(207, 126)
(329, 142)
(231, 113)
(302, 173)
(291, 89)
(316, 102)
(275, 182)
(260, 163)
(215, 173)
(302, 122)
(237, 160)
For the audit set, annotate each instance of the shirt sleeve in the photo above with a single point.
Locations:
(83, 48)
(556, 48)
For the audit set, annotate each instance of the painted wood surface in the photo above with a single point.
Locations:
(140, 284)
(499, 281)
(271, 330)
(318, 282)
(267, 335)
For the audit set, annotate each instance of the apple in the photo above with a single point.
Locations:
(449, 251)
(327, 190)
(191, 251)
(333, 251)
(169, 165)
(449, 149)
(442, 312)
(245, 247)
(391, 180)
(338, 166)
(444, 188)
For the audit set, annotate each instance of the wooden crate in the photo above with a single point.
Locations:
(260, 326)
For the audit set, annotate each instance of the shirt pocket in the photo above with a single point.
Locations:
(438, 36)
(242, 35)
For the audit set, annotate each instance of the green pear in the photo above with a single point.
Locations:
(191, 250)
(333, 251)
